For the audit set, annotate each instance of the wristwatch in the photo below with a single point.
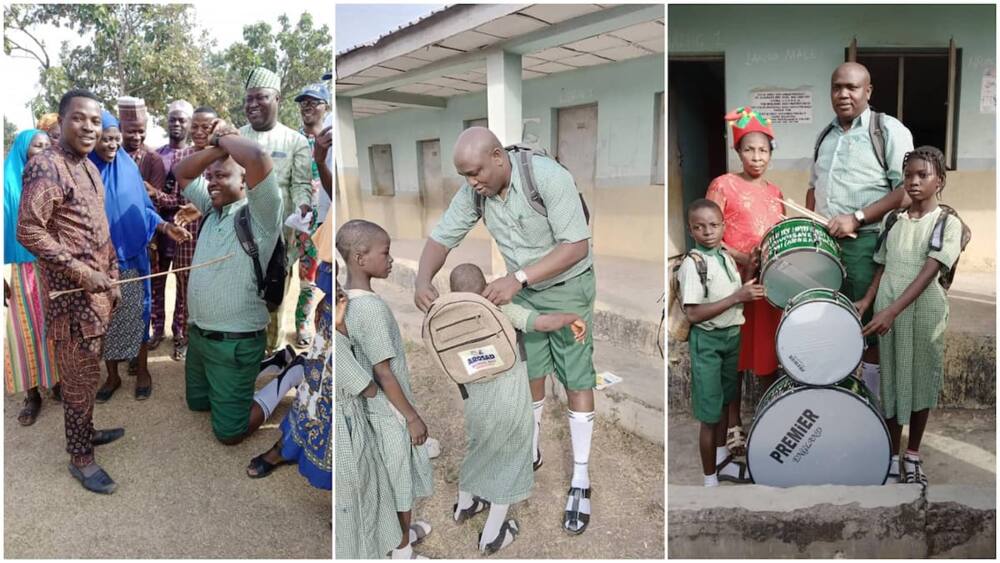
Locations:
(860, 216)
(521, 277)
(214, 139)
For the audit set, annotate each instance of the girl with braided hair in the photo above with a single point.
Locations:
(911, 307)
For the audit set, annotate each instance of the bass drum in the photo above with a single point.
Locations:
(804, 435)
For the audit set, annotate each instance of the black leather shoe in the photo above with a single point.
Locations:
(102, 437)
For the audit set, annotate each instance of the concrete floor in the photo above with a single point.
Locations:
(180, 493)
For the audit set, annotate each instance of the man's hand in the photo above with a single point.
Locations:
(96, 282)
(186, 215)
(305, 208)
(220, 129)
(424, 295)
(323, 143)
(418, 431)
(579, 328)
(842, 225)
(176, 234)
(116, 297)
(501, 290)
(150, 190)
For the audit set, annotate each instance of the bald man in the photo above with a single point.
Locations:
(850, 186)
(549, 269)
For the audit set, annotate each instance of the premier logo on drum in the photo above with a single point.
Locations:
(795, 434)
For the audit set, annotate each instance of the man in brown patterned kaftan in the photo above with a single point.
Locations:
(62, 222)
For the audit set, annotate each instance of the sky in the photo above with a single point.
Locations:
(361, 23)
(217, 17)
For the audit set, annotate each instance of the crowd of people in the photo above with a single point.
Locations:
(548, 295)
(864, 183)
(94, 222)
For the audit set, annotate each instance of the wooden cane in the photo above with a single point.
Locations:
(54, 294)
(808, 213)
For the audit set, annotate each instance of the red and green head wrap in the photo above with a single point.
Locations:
(745, 120)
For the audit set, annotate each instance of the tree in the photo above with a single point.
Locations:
(300, 55)
(9, 132)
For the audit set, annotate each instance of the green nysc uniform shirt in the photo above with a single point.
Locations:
(523, 237)
(714, 344)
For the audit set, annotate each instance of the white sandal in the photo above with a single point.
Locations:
(736, 440)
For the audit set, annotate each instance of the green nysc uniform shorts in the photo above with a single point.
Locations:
(714, 379)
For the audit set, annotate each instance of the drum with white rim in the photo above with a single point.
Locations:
(819, 340)
(805, 435)
(797, 254)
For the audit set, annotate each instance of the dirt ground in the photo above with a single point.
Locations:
(181, 494)
(626, 473)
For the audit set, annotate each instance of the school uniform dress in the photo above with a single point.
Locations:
(227, 319)
(714, 344)
(847, 177)
(750, 211)
(367, 526)
(498, 429)
(912, 353)
(524, 237)
(375, 337)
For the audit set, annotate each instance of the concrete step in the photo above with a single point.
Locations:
(635, 404)
(831, 522)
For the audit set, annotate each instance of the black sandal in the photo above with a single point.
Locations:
(573, 516)
(99, 482)
(478, 505)
(262, 468)
(104, 395)
(29, 414)
(510, 526)
(537, 464)
(744, 473)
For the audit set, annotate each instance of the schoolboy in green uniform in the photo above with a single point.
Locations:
(400, 433)
(715, 310)
(497, 469)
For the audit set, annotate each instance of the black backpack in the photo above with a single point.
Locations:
(875, 131)
(524, 154)
(270, 285)
(937, 238)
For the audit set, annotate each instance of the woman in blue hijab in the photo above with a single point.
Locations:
(132, 220)
(28, 355)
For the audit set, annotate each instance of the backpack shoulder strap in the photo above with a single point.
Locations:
(819, 140)
(524, 154)
(701, 267)
(245, 236)
(889, 222)
(479, 203)
(876, 131)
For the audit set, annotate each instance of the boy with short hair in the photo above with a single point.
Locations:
(378, 345)
(714, 305)
(498, 469)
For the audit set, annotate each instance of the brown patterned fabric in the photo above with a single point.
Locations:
(62, 222)
(150, 166)
(79, 359)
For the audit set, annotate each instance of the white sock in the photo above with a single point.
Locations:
(270, 395)
(403, 553)
(464, 501)
(537, 408)
(711, 480)
(581, 427)
(871, 374)
(413, 533)
(721, 453)
(496, 518)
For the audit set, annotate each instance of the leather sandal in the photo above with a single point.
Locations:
(262, 468)
(478, 505)
(104, 394)
(508, 527)
(744, 473)
(575, 521)
(29, 414)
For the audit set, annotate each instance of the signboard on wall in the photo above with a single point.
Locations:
(784, 106)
